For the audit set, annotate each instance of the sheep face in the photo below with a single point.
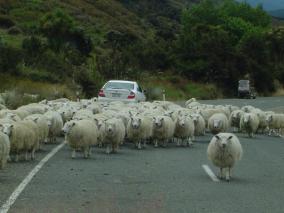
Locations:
(181, 121)
(68, 126)
(246, 119)
(269, 119)
(195, 118)
(158, 122)
(217, 123)
(110, 128)
(223, 142)
(135, 123)
(7, 129)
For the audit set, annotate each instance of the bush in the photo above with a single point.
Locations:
(10, 57)
(6, 22)
(14, 30)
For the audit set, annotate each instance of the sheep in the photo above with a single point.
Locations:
(100, 122)
(234, 120)
(2, 106)
(262, 126)
(163, 130)
(42, 123)
(115, 134)
(184, 130)
(249, 123)
(34, 108)
(4, 149)
(139, 129)
(224, 150)
(218, 123)
(66, 113)
(275, 122)
(199, 124)
(55, 124)
(23, 138)
(81, 134)
(20, 113)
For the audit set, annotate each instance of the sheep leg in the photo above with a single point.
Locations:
(33, 154)
(9, 158)
(2, 164)
(108, 149)
(156, 143)
(227, 174)
(85, 152)
(114, 148)
(165, 142)
(90, 151)
(73, 153)
(26, 156)
(178, 142)
(139, 145)
(16, 157)
(221, 174)
(189, 142)
(45, 140)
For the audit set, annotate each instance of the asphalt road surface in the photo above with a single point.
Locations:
(154, 180)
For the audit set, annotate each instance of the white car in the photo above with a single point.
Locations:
(127, 91)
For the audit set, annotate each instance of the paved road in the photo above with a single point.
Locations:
(154, 180)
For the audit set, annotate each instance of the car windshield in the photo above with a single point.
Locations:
(244, 83)
(119, 85)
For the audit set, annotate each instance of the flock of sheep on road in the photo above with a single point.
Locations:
(88, 123)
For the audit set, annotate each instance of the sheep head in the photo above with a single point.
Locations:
(223, 142)
(68, 126)
(7, 129)
(135, 122)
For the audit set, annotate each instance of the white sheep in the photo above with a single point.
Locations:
(81, 134)
(34, 108)
(224, 150)
(275, 123)
(184, 130)
(115, 134)
(218, 123)
(55, 124)
(4, 149)
(23, 138)
(234, 120)
(199, 124)
(139, 130)
(42, 123)
(163, 130)
(249, 123)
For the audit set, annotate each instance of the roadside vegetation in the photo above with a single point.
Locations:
(201, 51)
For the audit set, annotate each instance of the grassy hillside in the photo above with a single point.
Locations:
(116, 28)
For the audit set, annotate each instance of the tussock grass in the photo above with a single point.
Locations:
(176, 88)
(19, 91)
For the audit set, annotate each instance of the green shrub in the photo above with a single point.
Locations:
(14, 30)
(6, 22)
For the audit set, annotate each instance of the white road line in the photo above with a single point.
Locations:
(7, 205)
(210, 173)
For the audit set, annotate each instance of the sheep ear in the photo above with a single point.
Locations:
(229, 138)
(217, 136)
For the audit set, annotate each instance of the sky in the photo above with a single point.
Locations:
(268, 4)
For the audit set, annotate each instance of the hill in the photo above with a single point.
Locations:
(277, 13)
(268, 5)
(101, 39)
